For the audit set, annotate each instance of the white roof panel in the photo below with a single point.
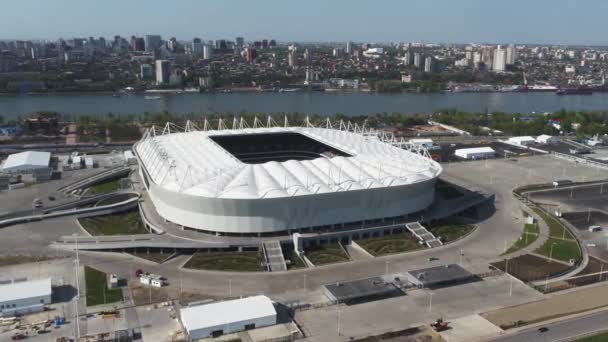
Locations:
(192, 163)
(226, 312)
(471, 150)
(25, 289)
(27, 160)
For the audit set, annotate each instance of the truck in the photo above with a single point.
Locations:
(440, 325)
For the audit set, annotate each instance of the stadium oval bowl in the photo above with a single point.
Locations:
(269, 180)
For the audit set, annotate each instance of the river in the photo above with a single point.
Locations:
(348, 103)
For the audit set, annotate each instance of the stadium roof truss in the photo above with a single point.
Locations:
(188, 160)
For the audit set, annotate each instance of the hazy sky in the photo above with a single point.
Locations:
(459, 21)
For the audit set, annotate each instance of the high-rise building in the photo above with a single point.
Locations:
(172, 44)
(337, 52)
(146, 72)
(197, 46)
(138, 44)
(476, 58)
(500, 60)
(264, 43)
(511, 54)
(407, 59)
(207, 51)
(220, 44)
(240, 42)
(250, 55)
(349, 47)
(417, 59)
(162, 71)
(272, 43)
(153, 42)
(306, 56)
(291, 55)
(428, 64)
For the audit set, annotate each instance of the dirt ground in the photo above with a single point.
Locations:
(529, 267)
(143, 295)
(418, 334)
(556, 306)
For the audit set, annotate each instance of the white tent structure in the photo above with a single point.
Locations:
(227, 317)
(475, 153)
(26, 162)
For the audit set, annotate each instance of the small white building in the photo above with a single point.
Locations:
(547, 139)
(152, 280)
(475, 153)
(23, 297)
(227, 317)
(423, 142)
(522, 141)
(129, 157)
(27, 162)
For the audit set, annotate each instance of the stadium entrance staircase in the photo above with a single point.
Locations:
(274, 256)
(423, 234)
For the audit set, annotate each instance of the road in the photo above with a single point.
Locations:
(560, 330)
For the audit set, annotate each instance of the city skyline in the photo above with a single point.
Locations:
(540, 22)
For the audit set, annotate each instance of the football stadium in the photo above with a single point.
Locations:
(271, 180)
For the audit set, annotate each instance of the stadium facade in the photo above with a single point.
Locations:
(276, 179)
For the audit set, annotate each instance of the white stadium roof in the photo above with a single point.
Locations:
(25, 289)
(26, 161)
(226, 312)
(192, 163)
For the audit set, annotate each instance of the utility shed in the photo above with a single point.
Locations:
(216, 319)
(439, 276)
(475, 153)
(27, 162)
(23, 297)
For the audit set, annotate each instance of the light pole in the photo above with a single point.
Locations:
(431, 301)
(229, 287)
(77, 261)
(339, 322)
(386, 267)
(551, 252)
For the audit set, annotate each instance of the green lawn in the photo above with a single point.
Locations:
(532, 187)
(530, 234)
(556, 229)
(290, 254)
(97, 288)
(562, 249)
(105, 187)
(597, 338)
(390, 244)
(127, 223)
(227, 261)
(450, 232)
(327, 254)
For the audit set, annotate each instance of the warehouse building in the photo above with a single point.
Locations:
(18, 297)
(439, 276)
(216, 319)
(475, 153)
(27, 162)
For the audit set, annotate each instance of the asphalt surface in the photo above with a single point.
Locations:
(560, 330)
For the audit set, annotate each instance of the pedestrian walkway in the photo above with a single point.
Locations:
(274, 256)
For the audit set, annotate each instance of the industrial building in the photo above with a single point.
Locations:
(439, 276)
(18, 297)
(27, 162)
(475, 153)
(268, 180)
(216, 319)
